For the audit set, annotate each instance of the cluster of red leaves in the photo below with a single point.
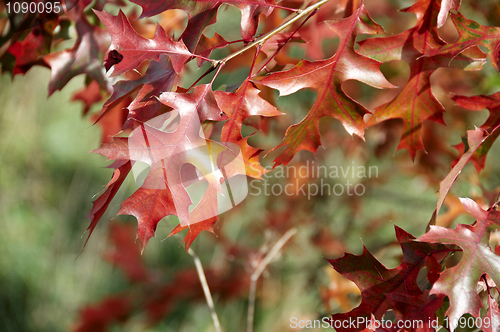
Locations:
(409, 298)
(143, 94)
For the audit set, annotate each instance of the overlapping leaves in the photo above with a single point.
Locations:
(327, 76)
(459, 283)
(383, 289)
(416, 102)
(163, 192)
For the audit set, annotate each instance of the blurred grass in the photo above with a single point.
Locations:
(47, 180)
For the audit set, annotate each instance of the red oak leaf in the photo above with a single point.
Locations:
(471, 34)
(383, 289)
(478, 103)
(196, 25)
(149, 204)
(419, 310)
(460, 282)
(206, 210)
(250, 11)
(207, 45)
(82, 58)
(326, 77)
(128, 49)
(164, 190)
(416, 103)
(240, 105)
(159, 77)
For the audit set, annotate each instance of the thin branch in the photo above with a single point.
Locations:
(258, 271)
(282, 45)
(206, 289)
(261, 40)
(268, 5)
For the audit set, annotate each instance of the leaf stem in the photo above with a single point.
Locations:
(261, 40)
(257, 50)
(206, 289)
(258, 271)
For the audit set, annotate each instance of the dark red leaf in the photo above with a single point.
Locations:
(383, 289)
(128, 49)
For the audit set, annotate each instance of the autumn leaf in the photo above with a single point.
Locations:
(446, 6)
(196, 25)
(416, 102)
(159, 77)
(421, 310)
(206, 211)
(239, 106)
(128, 49)
(471, 34)
(459, 283)
(207, 45)
(327, 76)
(82, 58)
(478, 103)
(397, 289)
(149, 204)
(163, 192)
